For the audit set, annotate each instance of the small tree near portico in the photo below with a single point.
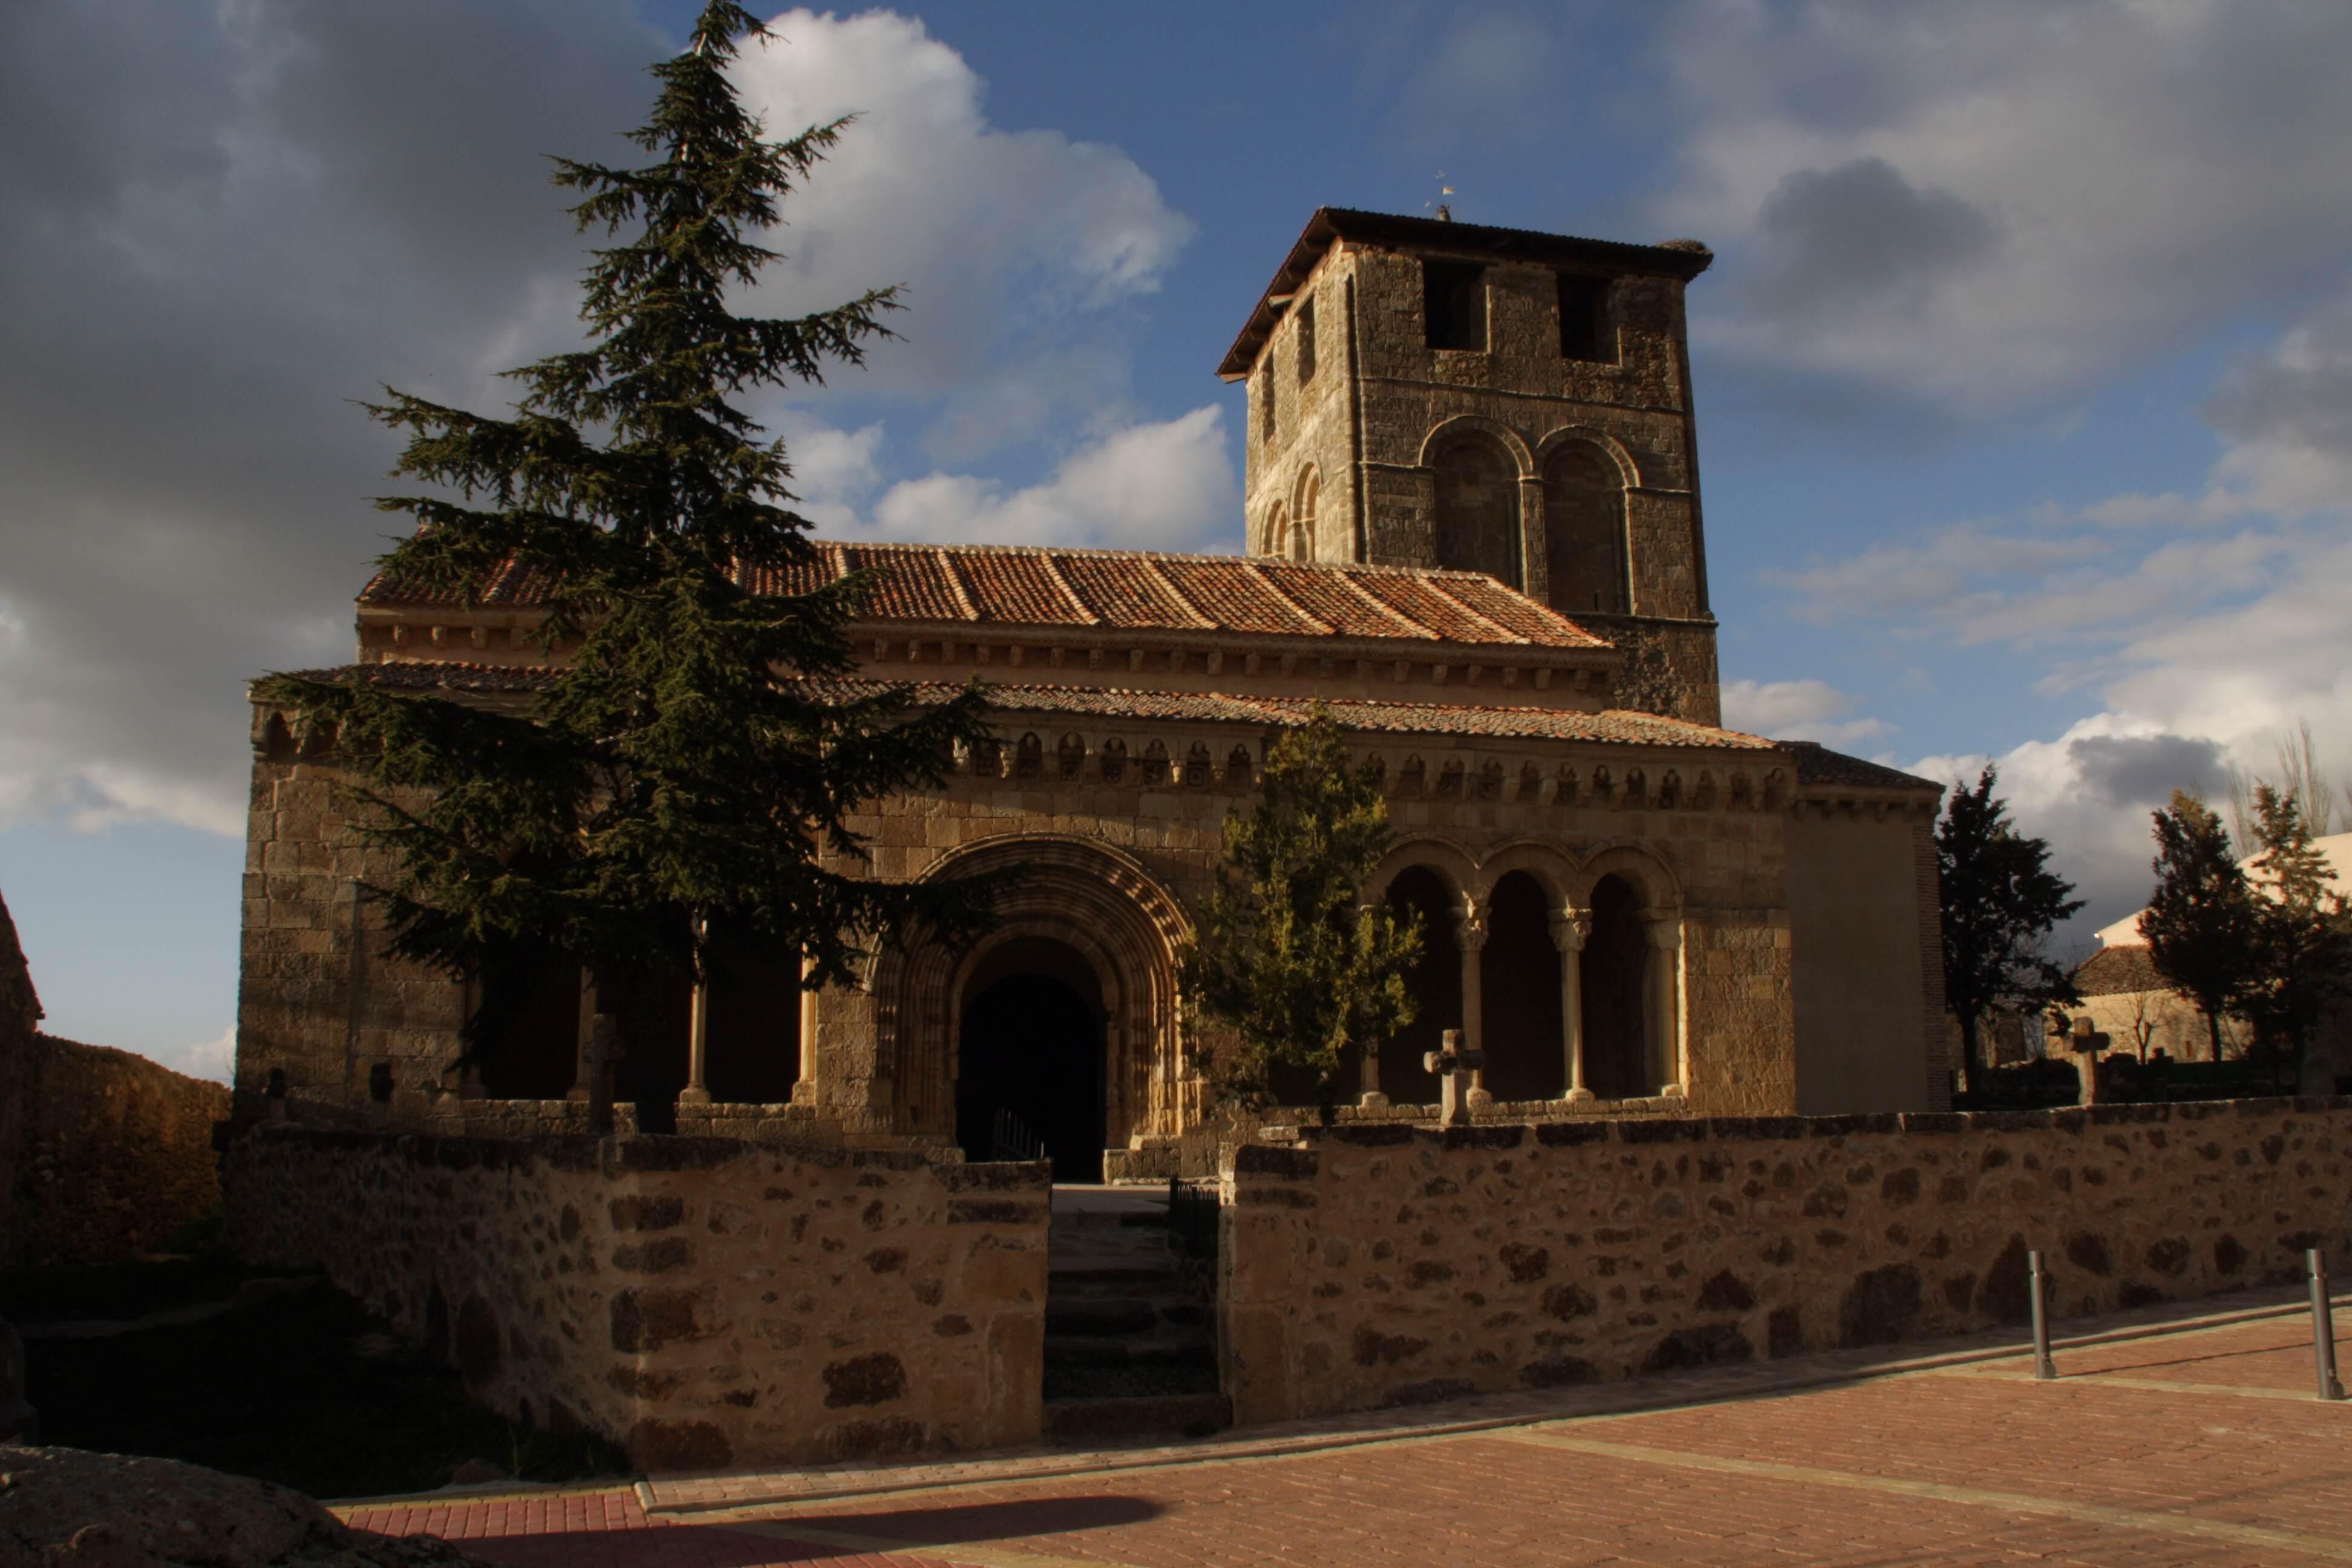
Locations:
(1999, 903)
(1286, 955)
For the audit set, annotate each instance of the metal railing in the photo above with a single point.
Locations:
(1014, 1141)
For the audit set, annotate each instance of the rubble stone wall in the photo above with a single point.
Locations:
(114, 1154)
(702, 1302)
(1381, 1266)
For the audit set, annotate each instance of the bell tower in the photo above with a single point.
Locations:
(1425, 393)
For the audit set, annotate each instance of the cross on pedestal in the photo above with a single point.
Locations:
(1453, 1067)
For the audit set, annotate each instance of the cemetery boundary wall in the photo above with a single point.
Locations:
(1373, 1265)
(702, 1302)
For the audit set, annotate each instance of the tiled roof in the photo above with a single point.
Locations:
(1614, 727)
(1817, 764)
(2118, 972)
(1014, 586)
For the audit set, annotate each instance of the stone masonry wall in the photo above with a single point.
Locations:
(702, 1302)
(116, 1154)
(1382, 1266)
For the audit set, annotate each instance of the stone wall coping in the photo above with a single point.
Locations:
(644, 1153)
(1299, 1162)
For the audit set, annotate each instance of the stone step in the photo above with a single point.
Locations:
(1162, 1348)
(1191, 1414)
(1095, 1316)
(1078, 1275)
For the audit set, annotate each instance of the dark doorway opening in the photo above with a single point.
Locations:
(1615, 961)
(526, 1032)
(1434, 981)
(752, 1035)
(1520, 976)
(1029, 1058)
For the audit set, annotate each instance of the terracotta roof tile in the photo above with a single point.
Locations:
(1018, 585)
(1126, 591)
(1614, 727)
(1817, 764)
(1337, 600)
(1422, 600)
(912, 585)
(2118, 972)
(1236, 599)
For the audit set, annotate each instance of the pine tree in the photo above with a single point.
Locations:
(1286, 954)
(2303, 930)
(695, 759)
(2200, 924)
(2000, 903)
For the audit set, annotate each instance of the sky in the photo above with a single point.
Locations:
(2023, 373)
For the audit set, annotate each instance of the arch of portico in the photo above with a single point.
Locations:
(1493, 941)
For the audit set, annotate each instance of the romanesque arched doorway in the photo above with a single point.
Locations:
(1029, 1057)
(1081, 932)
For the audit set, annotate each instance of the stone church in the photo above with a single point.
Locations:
(1473, 530)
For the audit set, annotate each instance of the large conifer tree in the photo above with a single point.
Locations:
(693, 761)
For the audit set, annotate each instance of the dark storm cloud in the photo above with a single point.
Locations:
(2144, 770)
(218, 225)
(2298, 395)
(1860, 234)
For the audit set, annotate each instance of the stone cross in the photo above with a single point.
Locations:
(1454, 1066)
(601, 1061)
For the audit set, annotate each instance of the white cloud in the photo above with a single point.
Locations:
(215, 1058)
(1164, 486)
(1796, 711)
(219, 225)
(1014, 246)
(1987, 204)
(2210, 626)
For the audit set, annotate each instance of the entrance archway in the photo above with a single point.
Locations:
(1029, 1057)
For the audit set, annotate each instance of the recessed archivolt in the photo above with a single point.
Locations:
(1628, 470)
(1459, 425)
(1092, 896)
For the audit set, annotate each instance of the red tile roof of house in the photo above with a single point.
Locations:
(2118, 972)
(1018, 585)
(1616, 727)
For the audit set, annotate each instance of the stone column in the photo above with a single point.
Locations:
(1368, 1075)
(1570, 928)
(1470, 938)
(1666, 991)
(805, 1088)
(1535, 552)
(697, 1019)
(579, 1091)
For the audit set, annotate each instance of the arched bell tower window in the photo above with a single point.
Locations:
(1584, 530)
(1277, 531)
(1477, 507)
(1302, 526)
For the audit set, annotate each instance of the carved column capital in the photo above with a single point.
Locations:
(1665, 931)
(1571, 930)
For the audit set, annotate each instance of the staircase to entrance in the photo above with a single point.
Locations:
(1131, 1348)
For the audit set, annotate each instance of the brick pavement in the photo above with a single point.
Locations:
(2185, 1443)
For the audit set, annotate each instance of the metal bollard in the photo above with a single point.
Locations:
(2323, 1327)
(2042, 1371)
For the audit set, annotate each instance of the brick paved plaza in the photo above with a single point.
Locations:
(2197, 1443)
